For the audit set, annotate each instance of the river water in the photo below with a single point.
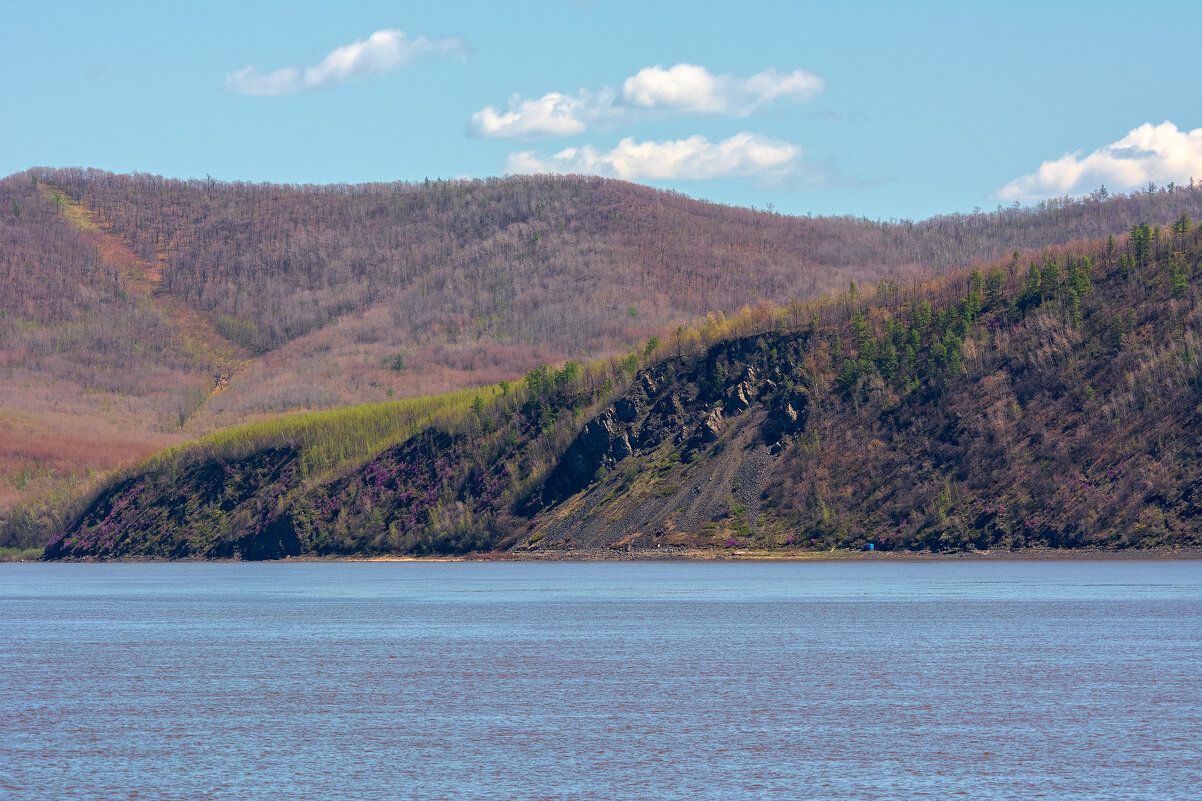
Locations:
(1068, 680)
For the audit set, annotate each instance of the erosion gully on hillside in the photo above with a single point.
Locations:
(145, 278)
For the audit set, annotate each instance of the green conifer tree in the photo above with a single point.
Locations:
(887, 361)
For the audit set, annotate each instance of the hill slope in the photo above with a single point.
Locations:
(471, 282)
(138, 312)
(1050, 403)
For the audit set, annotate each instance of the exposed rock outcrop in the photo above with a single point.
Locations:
(738, 397)
(711, 427)
(673, 405)
(785, 419)
(626, 410)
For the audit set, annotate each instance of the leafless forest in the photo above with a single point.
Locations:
(137, 311)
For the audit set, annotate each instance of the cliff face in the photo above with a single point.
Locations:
(682, 458)
(1052, 404)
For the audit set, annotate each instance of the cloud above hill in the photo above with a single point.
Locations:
(653, 91)
(383, 51)
(743, 154)
(1156, 153)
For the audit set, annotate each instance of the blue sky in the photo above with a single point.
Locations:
(882, 110)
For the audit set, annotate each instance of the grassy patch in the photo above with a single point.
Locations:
(326, 440)
(20, 554)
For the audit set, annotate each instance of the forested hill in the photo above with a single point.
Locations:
(137, 312)
(579, 264)
(1041, 402)
(454, 283)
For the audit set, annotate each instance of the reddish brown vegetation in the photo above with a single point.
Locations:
(465, 282)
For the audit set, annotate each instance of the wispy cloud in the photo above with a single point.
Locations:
(1157, 153)
(743, 154)
(682, 89)
(383, 51)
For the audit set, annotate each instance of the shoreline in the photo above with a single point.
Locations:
(748, 555)
(720, 555)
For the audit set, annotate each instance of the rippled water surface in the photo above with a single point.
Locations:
(601, 681)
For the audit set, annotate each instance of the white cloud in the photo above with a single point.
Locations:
(682, 89)
(1157, 153)
(381, 52)
(685, 88)
(743, 154)
(689, 89)
(553, 114)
